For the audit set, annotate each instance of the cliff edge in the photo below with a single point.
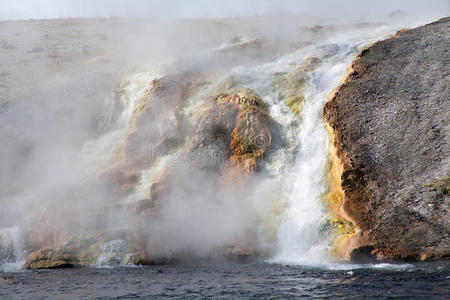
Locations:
(391, 125)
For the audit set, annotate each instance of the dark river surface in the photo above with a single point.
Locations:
(233, 281)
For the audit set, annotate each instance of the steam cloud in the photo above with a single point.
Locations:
(49, 114)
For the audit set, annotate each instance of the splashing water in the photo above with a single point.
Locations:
(301, 238)
(12, 252)
(299, 234)
(112, 253)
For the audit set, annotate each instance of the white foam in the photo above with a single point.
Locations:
(112, 253)
(12, 252)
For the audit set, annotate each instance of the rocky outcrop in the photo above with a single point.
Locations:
(69, 255)
(229, 140)
(116, 248)
(235, 130)
(157, 126)
(159, 108)
(390, 121)
(231, 136)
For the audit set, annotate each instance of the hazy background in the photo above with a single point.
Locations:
(348, 9)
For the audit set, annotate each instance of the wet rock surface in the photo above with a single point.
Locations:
(227, 144)
(159, 108)
(117, 248)
(390, 120)
(234, 131)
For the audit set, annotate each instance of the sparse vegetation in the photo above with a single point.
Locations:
(442, 185)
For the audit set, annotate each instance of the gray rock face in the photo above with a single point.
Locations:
(391, 121)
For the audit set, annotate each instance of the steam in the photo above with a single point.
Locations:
(64, 124)
(198, 218)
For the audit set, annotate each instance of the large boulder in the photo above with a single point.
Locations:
(390, 121)
(156, 121)
(229, 140)
(235, 129)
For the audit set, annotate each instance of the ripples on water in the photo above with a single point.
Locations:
(232, 280)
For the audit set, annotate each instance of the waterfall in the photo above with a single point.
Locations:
(287, 195)
(302, 238)
(294, 217)
(300, 234)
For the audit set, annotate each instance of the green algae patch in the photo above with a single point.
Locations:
(295, 104)
(246, 98)
(442, 185)
(291, 86)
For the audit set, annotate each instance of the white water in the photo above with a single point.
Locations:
(112, 253)
(300, 240)
(12, 253)
(97, 154)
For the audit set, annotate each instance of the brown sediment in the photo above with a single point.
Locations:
(335, 198)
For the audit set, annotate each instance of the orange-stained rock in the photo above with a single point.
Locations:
(80, 252)
(230, 140)
(69, 255)
(233, 134)
(156, 128)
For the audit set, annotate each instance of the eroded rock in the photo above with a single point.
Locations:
(229, 139)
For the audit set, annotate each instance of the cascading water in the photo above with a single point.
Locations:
(300, 235)
(99, 152)
(294, 216)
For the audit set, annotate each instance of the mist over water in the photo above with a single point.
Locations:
(63, 139)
